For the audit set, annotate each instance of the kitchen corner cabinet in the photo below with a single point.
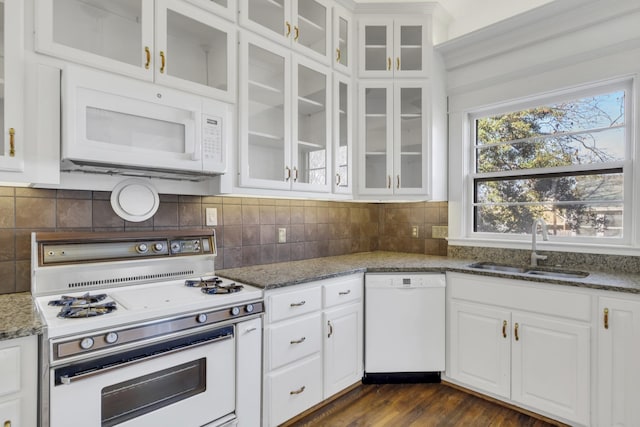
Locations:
(312, 344)
(285, 119)
(342, 34)
(18, 388)
(526, 345)
(394, 148)
(342, 134)
(618, 354)
(393, 47)
(171, 42)
(303, 25)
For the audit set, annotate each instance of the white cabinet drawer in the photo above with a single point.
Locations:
(295, 303)
(342, 291)
(294, 340)
(294, 390)
(10, 370)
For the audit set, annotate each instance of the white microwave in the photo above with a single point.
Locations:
(118, 125)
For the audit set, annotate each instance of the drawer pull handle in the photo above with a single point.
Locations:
(504, 329)
(297, 304)
(347, 292)
(606, 318)
(296, 33)
(12, 142)
(298, 391)
(288, 31)
(163, 61)
(338, 55)
(389, 63)
(516, 332)
(250, 330)
(147, 53)
(300, 341)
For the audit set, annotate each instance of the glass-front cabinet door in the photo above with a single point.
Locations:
(196, 51)
(376, 136)
(11, 87)
(301, 24)
(410, 137)
(311, 119)
(114, 35)
(395, 48)
(342, 134)
(265, 114)
(342, 40)
(226, 8)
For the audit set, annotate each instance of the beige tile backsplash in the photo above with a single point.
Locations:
(246, 233)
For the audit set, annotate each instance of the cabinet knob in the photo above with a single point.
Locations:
(147, 53)
(12, 142)
(606, 318)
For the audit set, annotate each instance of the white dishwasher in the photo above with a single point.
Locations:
(404, 327)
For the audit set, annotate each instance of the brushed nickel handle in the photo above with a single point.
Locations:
(287, 175)
(397, 63)
(295, 174)
(606, 318)
(397, 181)
(504, 329)
(147, 53)
(516, 332)
(12, 142)
(299, 341)
(297, 304)
(248, 330)
(288, 27)
(296, 33)
(388, 181)
(298, 391)
(163, 61)
(330, 329)
(389, 63)
(338, 55)
(347, 292)
(338, 180)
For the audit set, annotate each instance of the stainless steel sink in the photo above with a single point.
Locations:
(567, 274)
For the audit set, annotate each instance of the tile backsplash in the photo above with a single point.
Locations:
(246, 233)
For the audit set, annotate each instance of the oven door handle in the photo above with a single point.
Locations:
(66, 379)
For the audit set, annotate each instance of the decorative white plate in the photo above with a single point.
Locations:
(134, 200)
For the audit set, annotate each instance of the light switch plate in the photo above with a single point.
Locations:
(211, 217)
(414, 232)
(282, 235)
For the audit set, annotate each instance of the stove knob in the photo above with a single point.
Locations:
(142, 248)
(249, 308)
(86, 343)
(158, 247)
(201, 318)
(175, 247)
(235, 311)
(111, 337)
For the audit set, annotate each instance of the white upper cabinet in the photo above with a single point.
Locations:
(393, 48)
(225, 8)
(301, 24)
(11, 87)
(284, 119)
(393, 129)
(342, 33)
(168, 41)
(342, 134)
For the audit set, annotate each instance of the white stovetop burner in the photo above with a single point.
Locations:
(142, 303)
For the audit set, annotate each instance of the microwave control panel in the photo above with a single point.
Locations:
(212, 150)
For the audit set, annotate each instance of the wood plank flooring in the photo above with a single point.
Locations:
(415, 405)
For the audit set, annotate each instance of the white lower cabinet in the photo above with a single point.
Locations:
(312, 345)
(513, 340)
(618, 391)
(18, 382)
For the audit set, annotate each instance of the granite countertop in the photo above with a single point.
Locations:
(18, 316)
(277, 275)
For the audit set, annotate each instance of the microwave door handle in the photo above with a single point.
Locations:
(197, 146)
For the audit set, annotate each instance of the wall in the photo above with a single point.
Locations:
(246, 231)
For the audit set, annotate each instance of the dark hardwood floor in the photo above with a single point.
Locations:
(417, 405)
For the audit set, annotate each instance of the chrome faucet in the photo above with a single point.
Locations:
(545, 236)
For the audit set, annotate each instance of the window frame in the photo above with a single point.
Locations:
(543, 99)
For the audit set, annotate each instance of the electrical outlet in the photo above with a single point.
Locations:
(414, 231)
(439, 231)
(211, 217)
(282, 235)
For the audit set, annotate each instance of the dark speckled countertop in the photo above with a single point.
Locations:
(277, 275)
(18, 316)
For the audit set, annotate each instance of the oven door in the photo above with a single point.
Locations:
(187, 381)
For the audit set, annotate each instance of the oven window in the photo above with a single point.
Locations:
(142, 395)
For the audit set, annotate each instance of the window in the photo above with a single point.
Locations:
(563, 159)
